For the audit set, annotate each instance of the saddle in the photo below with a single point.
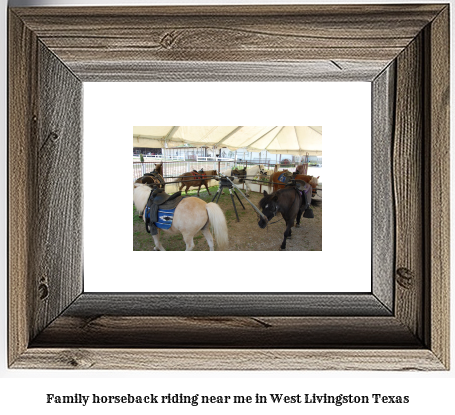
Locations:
(159, 199)
(240, 174)
(159, 196)
(298, 184)
(286, 177)
(198, 174)
(304, 190)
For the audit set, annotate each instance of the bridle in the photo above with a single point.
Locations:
(277, 207)
(274, 214)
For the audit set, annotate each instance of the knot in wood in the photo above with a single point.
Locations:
(43, 291)
(168, 40)
(53, 136)
(405, 278)
(77, 359)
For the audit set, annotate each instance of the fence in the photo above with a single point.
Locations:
(173, 169)
(156, 157)
(199, 158)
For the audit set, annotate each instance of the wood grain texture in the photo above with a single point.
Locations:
(53, 49)
(57, 228)
(408, 188)
(311, 71)
(383, 215)
(89, 305)
(22, 132)
(333, 39)
(257, 332)
(235, 359)
(437, 152)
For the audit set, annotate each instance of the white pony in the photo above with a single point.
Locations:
(190, 216)
(250, 173)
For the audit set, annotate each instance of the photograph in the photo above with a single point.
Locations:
(228, 182)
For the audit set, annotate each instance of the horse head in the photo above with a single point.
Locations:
(159, 168)
(262, 170)
(314, 181)
(300, 169)
(269, 207)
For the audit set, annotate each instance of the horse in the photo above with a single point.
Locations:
(291, 203)
(312, 180)
(301, 169)
(199, 178)
(240, 175)
(154, 178)
(190, 216)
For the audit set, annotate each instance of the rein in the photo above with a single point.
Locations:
(271, 223)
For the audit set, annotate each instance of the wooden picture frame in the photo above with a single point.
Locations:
(403, 324)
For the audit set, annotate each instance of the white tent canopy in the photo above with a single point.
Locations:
(275, 139)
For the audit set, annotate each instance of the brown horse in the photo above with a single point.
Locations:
(154, 177)
(196, 179)
(312, 180)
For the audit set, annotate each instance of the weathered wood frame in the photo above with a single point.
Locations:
(403, 50)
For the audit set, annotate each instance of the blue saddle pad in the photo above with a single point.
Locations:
(282, 178)
(165, 217)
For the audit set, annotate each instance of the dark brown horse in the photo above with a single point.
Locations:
(291, 203)
(312, 180)
(196, 179)
(154, 177)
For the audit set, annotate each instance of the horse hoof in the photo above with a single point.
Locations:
(282, 249)
(297, 225)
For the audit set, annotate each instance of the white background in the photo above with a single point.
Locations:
(343, 110)
(23, 391)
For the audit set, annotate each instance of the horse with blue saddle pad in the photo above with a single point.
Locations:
(159, 210)
(280, 179)
(178, 214)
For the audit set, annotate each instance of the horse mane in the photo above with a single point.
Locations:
(266, 199)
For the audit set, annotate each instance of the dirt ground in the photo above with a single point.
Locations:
(245, 235)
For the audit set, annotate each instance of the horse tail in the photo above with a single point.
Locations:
(219, 225)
